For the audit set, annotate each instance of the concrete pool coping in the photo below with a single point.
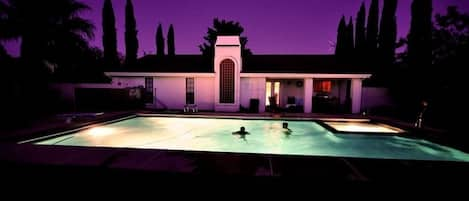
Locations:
(150, 161)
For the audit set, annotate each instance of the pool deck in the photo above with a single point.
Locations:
(74, 162)
(42, 161)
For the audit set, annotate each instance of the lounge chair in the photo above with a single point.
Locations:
(190, 108)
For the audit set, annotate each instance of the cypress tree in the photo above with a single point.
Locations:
(159, 41)
(349, 37)
(360, 35)
(109, 35)
(388, 33)
(350, 52)
(341, 43)
(131, 41)
(419, 38)
(171, 46)
(372, 31)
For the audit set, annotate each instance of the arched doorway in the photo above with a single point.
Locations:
(227, 81)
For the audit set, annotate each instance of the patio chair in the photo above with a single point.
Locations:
(273, 103)
(190, 108)
(291, 102)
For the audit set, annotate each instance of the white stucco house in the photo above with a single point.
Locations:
(231, 83)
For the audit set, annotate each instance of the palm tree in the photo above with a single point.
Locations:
(50, 31)
(3, 52)
(53, 37)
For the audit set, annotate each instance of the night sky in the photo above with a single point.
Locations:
(272, 27)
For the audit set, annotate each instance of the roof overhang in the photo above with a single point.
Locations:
(159, 74)
(307, 75)
(267, 75)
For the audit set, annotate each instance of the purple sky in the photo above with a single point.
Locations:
(272, 27)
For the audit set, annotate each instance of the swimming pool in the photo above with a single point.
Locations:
(305, 138)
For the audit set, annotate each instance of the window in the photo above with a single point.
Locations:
(189, 91)
(227, 81)
(148, 90)
(272, 89)
(268, 92)
(322, 86)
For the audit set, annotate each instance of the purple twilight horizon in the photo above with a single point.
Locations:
(272, 27)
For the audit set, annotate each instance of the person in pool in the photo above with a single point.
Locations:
(286, 130)
(242, 131)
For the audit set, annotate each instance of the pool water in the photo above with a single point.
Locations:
(265, 137)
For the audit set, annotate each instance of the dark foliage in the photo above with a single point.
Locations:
(372, 32)
(131, 41)
(349, 45)
(388, 33)
(360, 35)
(159, 41)
(171, 45)
(111, 58)
(340, 49)
(221, 28)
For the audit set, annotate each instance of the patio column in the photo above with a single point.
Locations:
(356, 95)
(308, 95)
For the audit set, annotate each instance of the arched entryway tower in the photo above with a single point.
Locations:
(227, 68)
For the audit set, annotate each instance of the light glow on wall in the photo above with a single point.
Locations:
(277, 92)
(268, 92)
(272, 89)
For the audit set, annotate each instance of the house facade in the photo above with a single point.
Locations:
(306, 83)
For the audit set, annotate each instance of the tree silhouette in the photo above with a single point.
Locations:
(171, 46)
(49, 34)
(388, 33)
(111, 58)
(3, 53)
(159, 41)
(360, 35)
(53, 37)
(131, 41)
(450, 39)
(372, 31)
(349, 46)
(221, 28)
(340, 49)
(416, 73)
(420, 38)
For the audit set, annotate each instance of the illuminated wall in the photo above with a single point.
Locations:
(204, 93)
(253, 88)
(170, 92)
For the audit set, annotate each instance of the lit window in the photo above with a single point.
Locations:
(323, 86)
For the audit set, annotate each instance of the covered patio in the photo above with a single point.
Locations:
(311, 93)
(284, 94)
